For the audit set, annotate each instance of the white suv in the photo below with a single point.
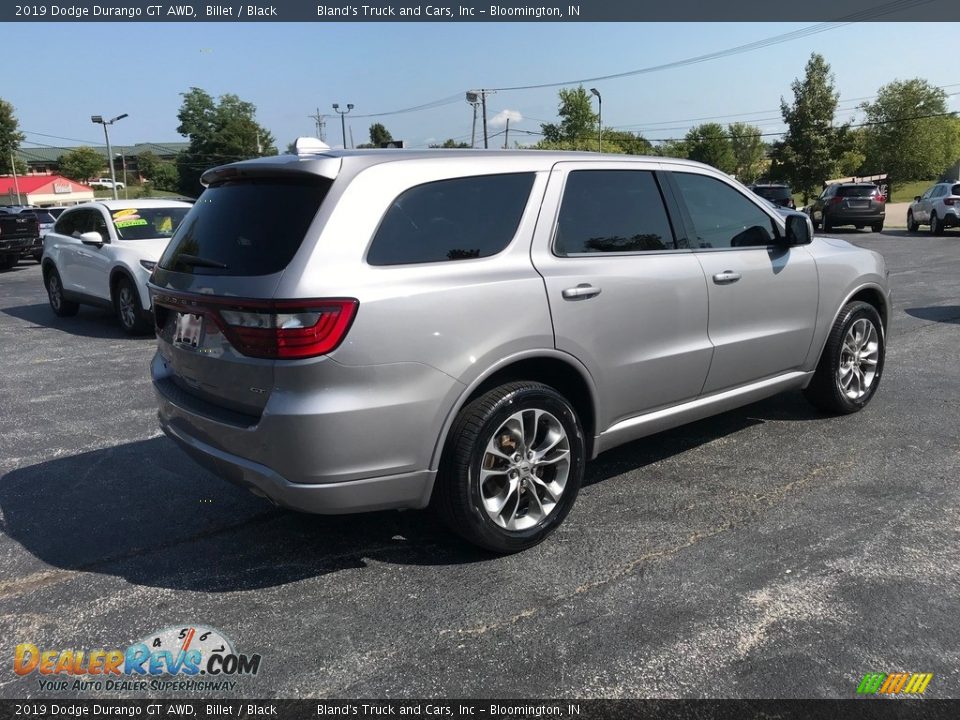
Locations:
(102, 253)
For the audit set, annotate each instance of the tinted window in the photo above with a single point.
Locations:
(456, 219)
(773, 193)
(66, 223)
(248, 227)
(42, 215)
(147, 223)
(857, 191)
(955, 190)
(612, 211)
(723, 217)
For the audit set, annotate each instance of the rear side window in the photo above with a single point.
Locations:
(457, 219)
(857, 191)
(611, 211)
(247, 227)
(67, 222)
(722, 216)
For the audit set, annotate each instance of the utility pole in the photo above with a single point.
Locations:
(472, 96)
(343, 120)
(474, 99)
(16, 183)
(321, 123)
(483, 99)
(506, 135)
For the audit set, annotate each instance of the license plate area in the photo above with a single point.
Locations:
(859, 203)
(188, 331)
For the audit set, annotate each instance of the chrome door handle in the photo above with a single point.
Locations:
(583, 290)
(726, 277)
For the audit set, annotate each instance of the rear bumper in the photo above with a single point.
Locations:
(407, 490)
(850, 217)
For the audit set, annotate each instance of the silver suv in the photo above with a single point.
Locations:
(351, 331)
(938, 207)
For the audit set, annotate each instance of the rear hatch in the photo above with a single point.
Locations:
(220, 329)
(17, 231)
(859, 198)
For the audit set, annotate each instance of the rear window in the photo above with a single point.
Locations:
(773, 193)
(857, 191)
(458, 219)
(249, 227)
(42, 215)
(955, 190)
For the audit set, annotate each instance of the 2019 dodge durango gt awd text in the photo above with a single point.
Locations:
(466, 329)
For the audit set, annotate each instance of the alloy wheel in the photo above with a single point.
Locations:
(859, 357)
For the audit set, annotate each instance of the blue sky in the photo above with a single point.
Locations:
(288, 70)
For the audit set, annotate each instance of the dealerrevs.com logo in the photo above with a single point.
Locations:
(175, 658)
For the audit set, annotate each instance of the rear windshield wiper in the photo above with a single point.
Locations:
(197, 261)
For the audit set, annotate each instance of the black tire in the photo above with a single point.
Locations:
(126, 303)
(912, 225)
(61, 307)
(935, 227)
(877, 227)
(827, 225)
(457, 496)
(824, 390)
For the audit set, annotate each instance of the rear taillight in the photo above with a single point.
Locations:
(288, 330)
(836, 200)
(275, 329)
(951, 201)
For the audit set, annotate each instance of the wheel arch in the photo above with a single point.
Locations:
(870, 293)
(559, 370)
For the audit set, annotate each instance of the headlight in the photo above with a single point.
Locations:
(148, 265)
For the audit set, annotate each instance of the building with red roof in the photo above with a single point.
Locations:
(42, 190)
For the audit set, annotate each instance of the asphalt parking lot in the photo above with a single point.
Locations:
(766, 552)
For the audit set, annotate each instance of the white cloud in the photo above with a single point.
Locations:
(501, 117)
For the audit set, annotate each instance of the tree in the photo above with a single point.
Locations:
(749, 152)
(628, 142)
(578, 122)
(672, 149)
(807, 155)
(708, 143)
(10, 138)
(451, 143)
(220, 132)
(81, 164)
(379, 135)
(908, 133)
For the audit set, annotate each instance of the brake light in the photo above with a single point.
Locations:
(950, 201)
(836, 200)
(288, 329)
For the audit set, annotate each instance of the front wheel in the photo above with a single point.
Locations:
(511, 468)
(912, 225)
(126, 302)
(852, 362)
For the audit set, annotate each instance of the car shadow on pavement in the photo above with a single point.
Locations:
(90, 322)
(145, 512)
(938, 313)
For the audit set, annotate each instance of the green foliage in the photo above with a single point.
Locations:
(450, 143)
(808, 153)
(749, 152)
(379, 135)
(220, 132)
(577, 123)
(81, 164)
(672, 149)
(708, 143)
(627, 143)
(165, 177)
(901, 137)
(10, 138)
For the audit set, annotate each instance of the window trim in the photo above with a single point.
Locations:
(665, 197)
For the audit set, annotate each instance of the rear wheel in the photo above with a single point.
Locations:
(60, 306)
(511, 468)
(936, 228)
(852, 362)
(126, 301)
(8, 261)
(912, 225)
(877, 227)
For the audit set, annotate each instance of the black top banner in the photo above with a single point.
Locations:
(938, 11)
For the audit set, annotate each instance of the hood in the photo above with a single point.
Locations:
(150, 249)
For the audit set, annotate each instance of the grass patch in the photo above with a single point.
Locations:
(906, 193)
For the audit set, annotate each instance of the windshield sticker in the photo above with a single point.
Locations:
(131, 222)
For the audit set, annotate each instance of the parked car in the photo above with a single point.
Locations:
(938, 207)
(106, 184)
(18, 232)
(45, 221)
(389, 342)
(780, 195)
(101, 253)
(857, 204)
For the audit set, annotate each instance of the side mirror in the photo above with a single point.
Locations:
(92, 238)
(916, 198)
(799, 230)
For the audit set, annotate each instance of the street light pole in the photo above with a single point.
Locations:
(343, 120)
(98, 119)
(123, 164)
(599, 119)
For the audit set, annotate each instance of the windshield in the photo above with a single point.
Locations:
(773, 192)
(147, 223)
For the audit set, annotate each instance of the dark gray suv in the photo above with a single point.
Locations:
(467, 329)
